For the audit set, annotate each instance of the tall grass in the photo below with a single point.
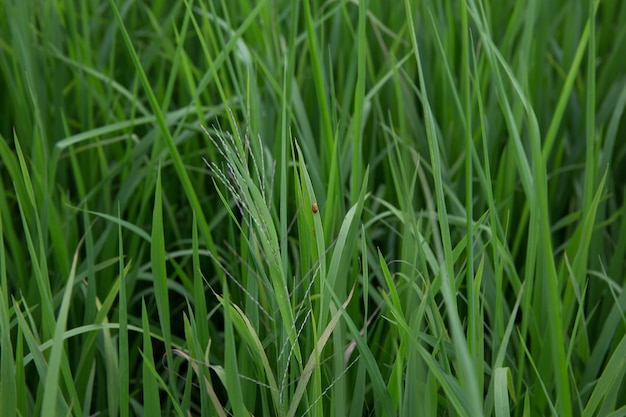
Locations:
(160, 253)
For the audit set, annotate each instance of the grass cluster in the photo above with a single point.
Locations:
(160, 253)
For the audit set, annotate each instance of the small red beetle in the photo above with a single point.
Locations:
(314, 208)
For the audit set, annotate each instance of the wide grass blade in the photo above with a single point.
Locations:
(502, 382)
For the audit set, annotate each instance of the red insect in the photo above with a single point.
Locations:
(314, 208)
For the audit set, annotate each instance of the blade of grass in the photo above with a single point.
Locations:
(152, 402)
(159, 269)
(231, 369)
(247, 331)
(209, 388)
(314, 358)
(557, 118)
(8, 381)
(40, 362)
(123, 336)
(54, 364)
(615, 367)
(320, 86)
(502, 378)
(356, 176)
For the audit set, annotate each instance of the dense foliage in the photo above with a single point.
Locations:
(284, 207)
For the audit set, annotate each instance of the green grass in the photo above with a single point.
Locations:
(159, 254)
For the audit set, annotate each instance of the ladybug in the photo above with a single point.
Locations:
(314, 208)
